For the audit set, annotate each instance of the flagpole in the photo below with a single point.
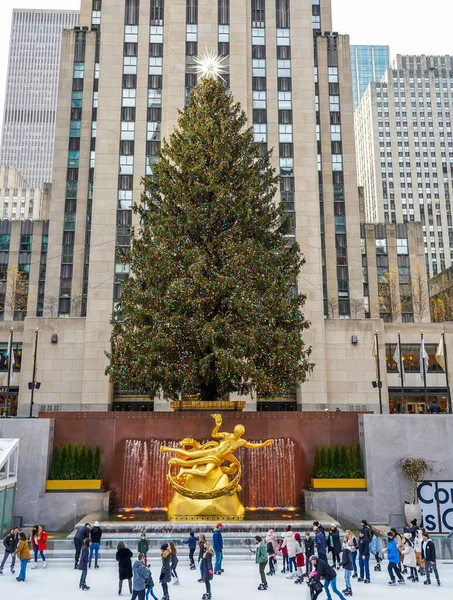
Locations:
(10, 368)
(401, 374)
(378, 364)
(446, 373)
(422, 347)
(33, 383)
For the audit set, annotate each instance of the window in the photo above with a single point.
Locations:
(124, 199)
(259, 132)
(4, 243)
(127, 130)
(259, 99)
(401, 246)
(155, 65)
(75, 129)
(25, 243)
(381, 246)
(153, 131)
(285, 133)
(73, 159)
(130, 65)
(129, 97)
(77, 99)
(79, 68)
(284, 100)
(126, 165)
(156, 35)
(131, 33)
(283, 38)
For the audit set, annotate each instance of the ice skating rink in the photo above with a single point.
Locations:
(239, 581)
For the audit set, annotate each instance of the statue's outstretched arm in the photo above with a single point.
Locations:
(218, 423)
(255, 446)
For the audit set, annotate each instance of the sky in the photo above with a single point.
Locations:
(407, 26)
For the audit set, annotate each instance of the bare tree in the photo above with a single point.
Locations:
(51, 304)
(76, 304)
(332, 305)
(389, 296)
(441, 308)
(420, 298)
(16, 297)
(356, 307)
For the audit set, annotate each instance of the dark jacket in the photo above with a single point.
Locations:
(82, 533)
(321, 542)
(217, 541)
(207, 567)
(364, 546)
(165, 572)
(334, 543)
(123, 556)
(11, 542)
(143, 546)
(83, 561)
(325, 570)
(200, 554)
(141, 574)
(434, 409)
(96, 534)
(191, 541)
(429, 551)
(309, 546)
(174, 560)
(346, 560)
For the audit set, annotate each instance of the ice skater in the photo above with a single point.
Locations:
(10, 543)
(309, 546)
(272, 549)
(351, 542)
(207, 570)
(192, 544)
(174, 563)
(83, 564)
(261, 561)
(95, 534)
(123, 557)
(141, 576)
(429, 556)
(300, 562)
(201, 545)
(329, 575)
(165, 571)
(23, 551)
(364, 557)
(39, 544)
(394, 560)
(346, 563)
(334, 545)
(143, 546)
(409, 558)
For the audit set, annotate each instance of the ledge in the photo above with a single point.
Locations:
(65, 485)
(339, 484)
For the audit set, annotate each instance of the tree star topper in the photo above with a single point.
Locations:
(210, 66)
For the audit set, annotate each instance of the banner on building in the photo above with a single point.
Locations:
(436, 500)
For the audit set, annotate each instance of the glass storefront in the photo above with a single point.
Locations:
(415, 403)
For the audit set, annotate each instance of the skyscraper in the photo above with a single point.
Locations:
(32, 90)
(368, 63)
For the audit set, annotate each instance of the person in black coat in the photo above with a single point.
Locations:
(83, 564)
(429, 556)
(334, 545)
(208, 572)
(95, 534)
(329, 575)
(434, 408)
(201, 545)
(10, 542)
(123, 556)
(81, 535)
(346, 563)
(364, 557)
(309, 549)
(165, 572)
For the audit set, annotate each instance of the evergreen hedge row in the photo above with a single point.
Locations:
(74, 462)
(341, 462)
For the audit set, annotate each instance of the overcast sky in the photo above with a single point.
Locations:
(407, 26)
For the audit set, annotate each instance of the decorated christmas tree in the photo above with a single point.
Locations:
(210, 306)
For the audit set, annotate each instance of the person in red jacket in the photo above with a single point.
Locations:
(39, 544)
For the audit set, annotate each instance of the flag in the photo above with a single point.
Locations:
(375, 354)
(424, 364)
(440, 356)
(399, 363)
(375, 347)
(10, 355)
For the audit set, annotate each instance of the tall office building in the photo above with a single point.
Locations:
(368, 63)
(17, 199)
(405, 151)
(32, 91)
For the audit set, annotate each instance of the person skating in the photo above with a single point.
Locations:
(314, 584)
(376, 549)
(217, 543)
(201, 545)
(95, 534)
(39, 544)
(418, 552)
(321, 544)
(141, 576)
(309, 548)
(329, 575)
(365, 527)
(174, 563)
(261, 561)
(334, 544)
(346, 563)
(399, 544)
(393, 556)
(123, 557)
(429, 556)
(272, 549)
(165, 571)
(207, 570)
(409, 558)
(413, 529)
(10, 543)
(23, 552)
(143, 546)
(192, 544)
(363, 550)
(149, 585)
(284, 552)
(81, 535)
(300, 562)
(289, 544)
(83, 564)
(351, 542)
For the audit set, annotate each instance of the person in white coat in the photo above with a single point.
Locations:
(290, 544)
(418, 552)
(409, 558)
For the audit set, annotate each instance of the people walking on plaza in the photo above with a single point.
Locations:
(261, 561)
(350, 541)
(376, 549)
(207, 570)
(272, 549)
(201, 544)
(23, 552)
(321, 544)
(418, 552)
(329, 575)
(81, 535)
(39, 544)
(95, 534)
(289, 544)
(409, 558)
(174, 563)
(165, 571)
(141, 576)
(393, 556)
(192, 544)
(434, 408)
(143, 546)
(309, 548)
(300, 562)
(429, 556)
(10, 543)
(83, 564)
(123, 557)
(346, 563)
(363, 550)
(217, 543)
(334, 544)
(284, 552)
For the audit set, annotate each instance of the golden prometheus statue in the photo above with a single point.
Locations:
(203, 488)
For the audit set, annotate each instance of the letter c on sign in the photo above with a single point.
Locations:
(438, 496)
(419, 492)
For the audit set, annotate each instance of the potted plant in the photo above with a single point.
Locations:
(415, 470)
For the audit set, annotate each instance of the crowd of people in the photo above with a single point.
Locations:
(304, 559)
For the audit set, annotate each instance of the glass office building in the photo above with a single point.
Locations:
(368, 63)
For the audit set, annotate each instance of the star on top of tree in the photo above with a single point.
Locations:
(210, 66)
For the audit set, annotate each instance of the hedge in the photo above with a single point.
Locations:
(74, 462)
(341, 462)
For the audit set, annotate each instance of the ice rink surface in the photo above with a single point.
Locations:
(240, 580)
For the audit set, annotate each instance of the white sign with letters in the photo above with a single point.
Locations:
(436, 500)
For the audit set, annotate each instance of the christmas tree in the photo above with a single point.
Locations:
(210, 306)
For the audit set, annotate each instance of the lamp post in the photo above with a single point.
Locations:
(10, 370)
(34, 384)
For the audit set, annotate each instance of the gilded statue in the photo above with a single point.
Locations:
(203, 487)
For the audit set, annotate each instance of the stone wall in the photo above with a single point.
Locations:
(61, 511)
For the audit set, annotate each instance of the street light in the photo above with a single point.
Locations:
(34, 384)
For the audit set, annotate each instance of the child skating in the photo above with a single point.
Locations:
(83, 564)
(192, 544)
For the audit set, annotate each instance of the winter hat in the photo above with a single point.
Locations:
(314, 557)
(407, 536)
(270, 533)
(164, 547)
(297, 536)
(219, 525)
(414, 522)
(289, 528)
(96, 523)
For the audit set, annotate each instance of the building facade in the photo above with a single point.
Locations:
(17, 199)
(32, 91)
(405, 151)
(368, 63)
